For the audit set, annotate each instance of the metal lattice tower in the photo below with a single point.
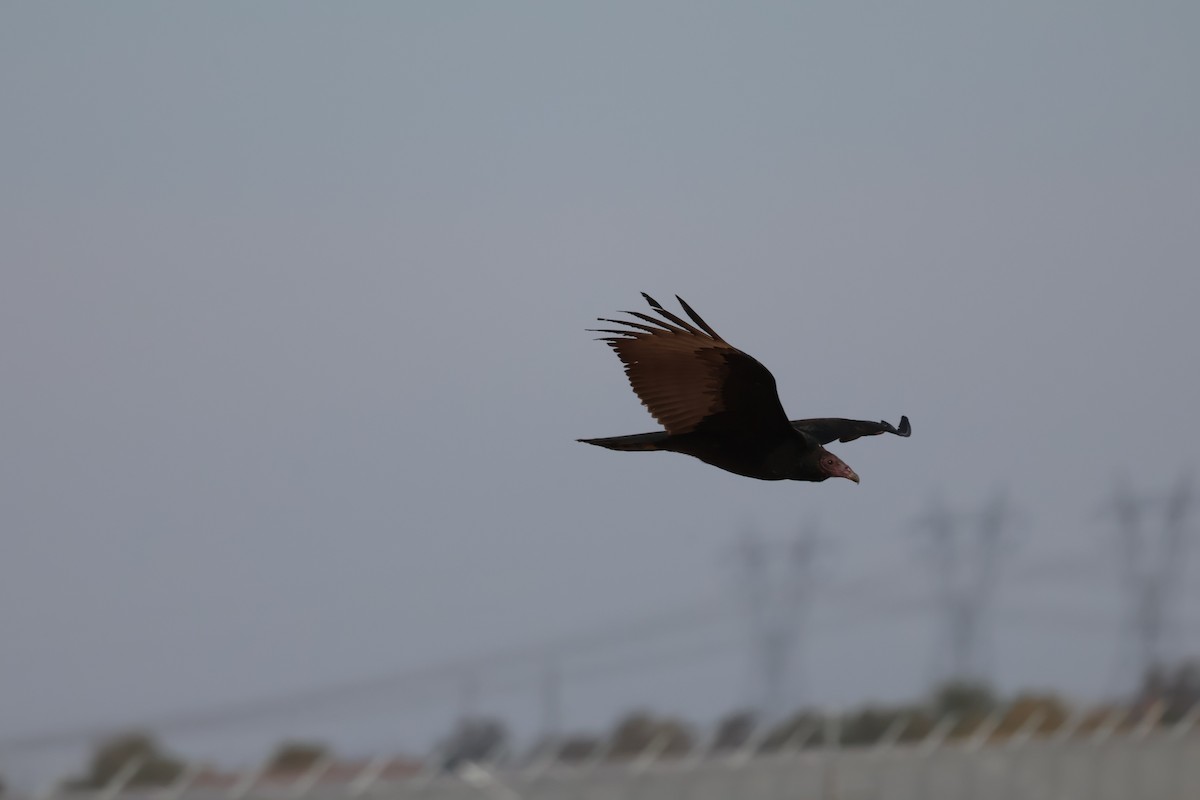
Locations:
(1152, 563)
(777, 582)
(964, 552)
(550, 690)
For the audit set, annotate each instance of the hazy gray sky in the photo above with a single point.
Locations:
(294, 297)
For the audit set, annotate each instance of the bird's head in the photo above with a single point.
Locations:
(834, 467)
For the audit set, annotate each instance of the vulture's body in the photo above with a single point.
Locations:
(720, 405)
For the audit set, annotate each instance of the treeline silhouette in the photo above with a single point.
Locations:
(955, 710)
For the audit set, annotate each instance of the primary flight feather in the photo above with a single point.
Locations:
(720, 405)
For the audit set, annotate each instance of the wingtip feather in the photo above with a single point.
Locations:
(654, 303)
(696, 318)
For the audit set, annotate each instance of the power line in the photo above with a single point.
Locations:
(422, 681)
(778, 584)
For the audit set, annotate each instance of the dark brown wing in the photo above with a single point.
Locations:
(826, 429)
(688, 376)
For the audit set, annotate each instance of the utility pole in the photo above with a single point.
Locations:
(777, 582)
(994, 520)
(964, 555)
(1177, 529)
(801, 590)
(551, 699)
(1152, 566)
(468, 695)
(951, 658)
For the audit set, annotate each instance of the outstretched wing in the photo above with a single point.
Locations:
(826, 429)
(688, 377)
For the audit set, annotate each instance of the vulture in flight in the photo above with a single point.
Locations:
(720, 405)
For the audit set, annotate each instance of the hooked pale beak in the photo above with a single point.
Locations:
(843, 471)
(834, 467)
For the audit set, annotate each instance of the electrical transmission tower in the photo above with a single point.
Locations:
(964, 554)
(777, 582)
(550, 690)
(1152, 567)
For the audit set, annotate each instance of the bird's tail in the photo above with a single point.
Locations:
(638, 441)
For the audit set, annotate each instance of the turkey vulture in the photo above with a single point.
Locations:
(720, 405)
